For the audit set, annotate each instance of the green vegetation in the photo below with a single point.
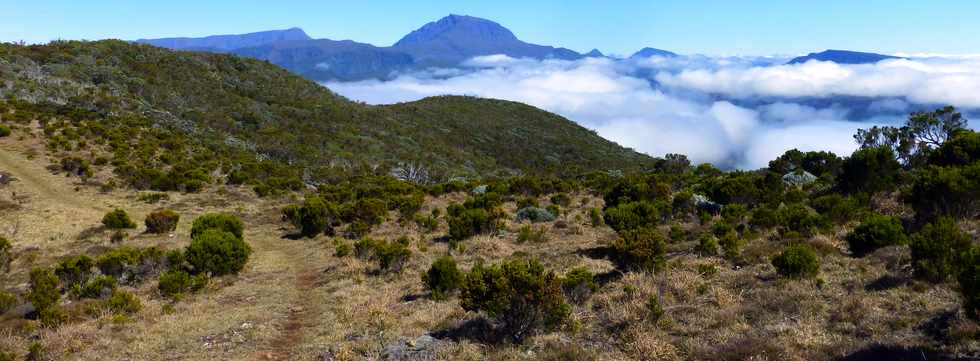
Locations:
(175, 283)
(518, 295)
(44, 292)
(579, 284)
(220, 221)
(391, 256)
(162, 221)
(117, 219)
(217, 252)
(875, 232)
(797, 261)
(936, 250)
(4, 131)
(534, 214)
(442, 278)
(641, 248)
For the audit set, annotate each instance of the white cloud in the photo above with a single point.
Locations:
(734, 111)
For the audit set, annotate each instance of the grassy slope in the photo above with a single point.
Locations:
(285, 117)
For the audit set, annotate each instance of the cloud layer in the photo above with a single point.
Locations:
(734, 112)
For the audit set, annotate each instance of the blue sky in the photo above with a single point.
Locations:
(715, 27)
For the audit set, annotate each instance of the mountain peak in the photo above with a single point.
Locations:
(229, 42)
(843, 57)
(595, 53)
(458, 27)
(649, 52)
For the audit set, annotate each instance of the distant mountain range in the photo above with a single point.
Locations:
(444, 43)
(843, 57)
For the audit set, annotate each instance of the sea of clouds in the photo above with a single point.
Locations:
(735, 112)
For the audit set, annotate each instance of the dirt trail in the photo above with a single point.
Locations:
(38, 180)
(302, 270)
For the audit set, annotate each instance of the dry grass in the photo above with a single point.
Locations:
(296, 300)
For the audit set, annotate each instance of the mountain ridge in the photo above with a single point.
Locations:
(843, 57)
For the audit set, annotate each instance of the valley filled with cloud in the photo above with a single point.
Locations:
(735, 112)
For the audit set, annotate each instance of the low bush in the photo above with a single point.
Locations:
(561, 199)
(595, 217)
(225, 222)
(315, 216)
(471, 222)
(528, 233)
(4, 131)
(74, 270)
(579, 284)
(969, 281)
(391, 256)
(797, 261)
(553, 209)
(117, 219)
(442, 278)
(876, 232)
(837, 208)
(936, 250)
(642, 248)
(6, 254)
(162, 221)
(519, 296)
(116, 262)
(7, 301)
(122, 302)
(98, 287)
(534, 214)
(218, 252)
(44, 292)
(632, 215)
(427, 224)
(655, 311)
(175, 283)
(526, 202)
(707, 245)
(731, 245)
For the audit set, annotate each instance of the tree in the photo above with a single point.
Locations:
(922, 132)
(869, 170)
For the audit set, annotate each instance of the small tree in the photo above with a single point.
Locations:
(969, 280)
(876, 232)
(797, 261)
(226, 222)
(642, 248)
(443, 277)
(44, 292)
(117, 219)
(217, 252)
(579, 284)
(936, 250)
(519, 295)
(162, 221)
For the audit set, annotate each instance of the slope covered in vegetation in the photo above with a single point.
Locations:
(239, 109)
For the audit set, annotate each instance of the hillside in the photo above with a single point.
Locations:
(241, 109)
(219, 43)
(843, 57)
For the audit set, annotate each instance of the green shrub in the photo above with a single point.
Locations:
(837, 208)
(731, 245)
(945, 191)
(642, 248)
(869, 170)
(707, 245)
(936, 250)
(561, 199)
(6, 254)
(217, 252)
(797, 261)
(525, 202)
(442, 278)
(7, 301)
(369, 211)
(392, 256)
(632, 215)
(52, 316)
(6, 355)
(553, 209)
(764, 217)
(122, 302)
(595, 217)
(162, 221)
(734, 213)
(528, 233)
(44, 289)
(74, 270)
(534, 214)
(342, 249)
(225, 222)
(315, 216)
(4, 131)
(428, 223)
(655, 311)
(117, 219)
(471, 222)
(876, 232)
(519, 295)
(153, 197)
(98, 287)
(969, 281)
(174, 283)
(579, 284)
(116, 262)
